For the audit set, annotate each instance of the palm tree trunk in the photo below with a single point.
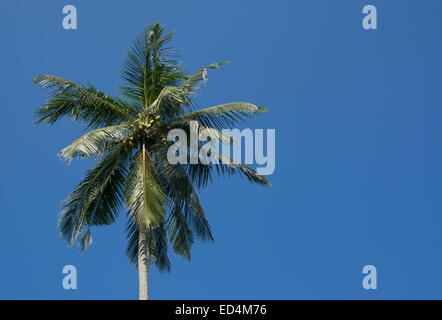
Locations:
(143, 267)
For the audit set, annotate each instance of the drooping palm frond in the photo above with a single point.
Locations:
(181, 235)
(86, 105)
(179, 188)
(96, 200)
(201, 174)
(145, 198)
(156, 243)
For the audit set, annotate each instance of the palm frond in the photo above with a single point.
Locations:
(93, 143)
(173, 100)
(87, 105)
(145, 198)
(183, 195)
(150, 65)
(223, 116)
(201, 174)
(181, 235)
(96, 200)
(156, 242)
(193, 84)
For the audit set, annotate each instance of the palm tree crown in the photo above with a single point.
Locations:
(128, 139)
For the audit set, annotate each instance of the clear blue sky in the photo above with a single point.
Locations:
(358, 175)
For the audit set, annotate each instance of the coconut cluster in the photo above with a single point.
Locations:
(135, 138)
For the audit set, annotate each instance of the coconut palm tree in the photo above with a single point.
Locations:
(128, 140)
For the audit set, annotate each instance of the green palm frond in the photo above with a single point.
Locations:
(95, 142)
(195, 216)
(181, 235)
(201, 174)
(174, 100)
(169, 103)
(86, 105)
(180, 190)
(145, 198)
(177, 98)
(224, 115)
(85, 240)
(193, 84)
(156, 243)
(157, 247)
(150, 65)
(96, 200)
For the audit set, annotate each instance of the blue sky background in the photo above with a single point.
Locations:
(358, 154)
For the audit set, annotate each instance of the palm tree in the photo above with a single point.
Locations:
(128, 139)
